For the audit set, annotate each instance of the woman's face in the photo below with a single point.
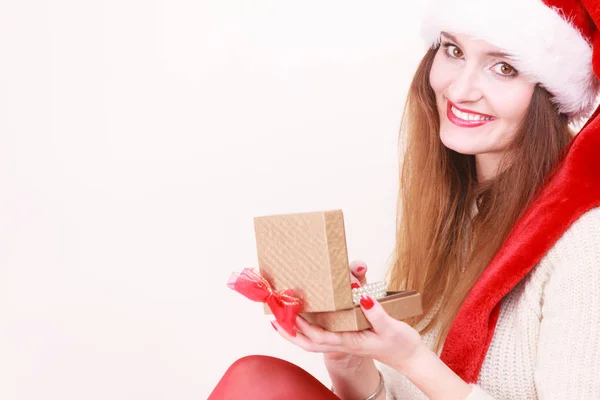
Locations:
(481, 98)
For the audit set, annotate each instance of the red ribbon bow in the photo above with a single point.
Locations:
(284, 304)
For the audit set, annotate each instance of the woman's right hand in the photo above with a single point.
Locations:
(344, 361)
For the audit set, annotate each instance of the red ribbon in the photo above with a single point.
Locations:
(284, 304)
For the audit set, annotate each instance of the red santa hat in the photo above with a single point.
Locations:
(558, 43)
(551, 40)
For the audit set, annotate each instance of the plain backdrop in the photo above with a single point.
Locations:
(139, 139)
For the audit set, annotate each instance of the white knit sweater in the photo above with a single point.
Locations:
(546, 344)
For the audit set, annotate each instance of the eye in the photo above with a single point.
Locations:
(505, 70)
(456, 52)
(453, 51)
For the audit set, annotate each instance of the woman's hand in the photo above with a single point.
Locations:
(389, 341)
(350, 355)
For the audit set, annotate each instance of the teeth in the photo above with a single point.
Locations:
(469, 117)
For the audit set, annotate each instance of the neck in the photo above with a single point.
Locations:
(487, 166)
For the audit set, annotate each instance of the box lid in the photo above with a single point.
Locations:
(306, 252)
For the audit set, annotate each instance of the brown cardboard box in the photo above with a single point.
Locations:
(307, 253)
(400, 305)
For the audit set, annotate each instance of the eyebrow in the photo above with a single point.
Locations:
(499, 54)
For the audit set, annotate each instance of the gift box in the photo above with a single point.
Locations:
(306, 252)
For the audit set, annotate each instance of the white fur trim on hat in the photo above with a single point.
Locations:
(545, 46)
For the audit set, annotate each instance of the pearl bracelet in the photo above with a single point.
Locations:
(376, 290)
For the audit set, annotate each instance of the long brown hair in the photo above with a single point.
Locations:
(441, 248)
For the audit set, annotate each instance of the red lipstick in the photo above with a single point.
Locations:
(463, 122)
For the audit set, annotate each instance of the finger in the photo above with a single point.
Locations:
(317, 334)
(350, 342)
(380, 320)
(359, 270)
(359, 343)
(302, 340)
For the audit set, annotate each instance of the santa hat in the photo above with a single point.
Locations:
(552, 41)
(556, 41)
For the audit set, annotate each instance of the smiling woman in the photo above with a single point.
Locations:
(476, 89)
(498, 222)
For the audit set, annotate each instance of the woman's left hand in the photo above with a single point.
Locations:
(389, 341)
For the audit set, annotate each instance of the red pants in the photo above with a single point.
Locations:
(268, 378)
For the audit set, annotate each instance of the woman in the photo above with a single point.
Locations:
(498, 223)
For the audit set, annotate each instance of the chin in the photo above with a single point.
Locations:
(465, 151)
(458, 145)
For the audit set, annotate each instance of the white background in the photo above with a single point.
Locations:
(138, 139)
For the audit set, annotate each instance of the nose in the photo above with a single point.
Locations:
(465, 87)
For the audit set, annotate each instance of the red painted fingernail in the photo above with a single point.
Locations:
(273, 325)
(366, 302)
(354, 285)
(360, 268)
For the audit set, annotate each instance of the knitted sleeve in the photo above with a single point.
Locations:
(568, 361)
(478, 394)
